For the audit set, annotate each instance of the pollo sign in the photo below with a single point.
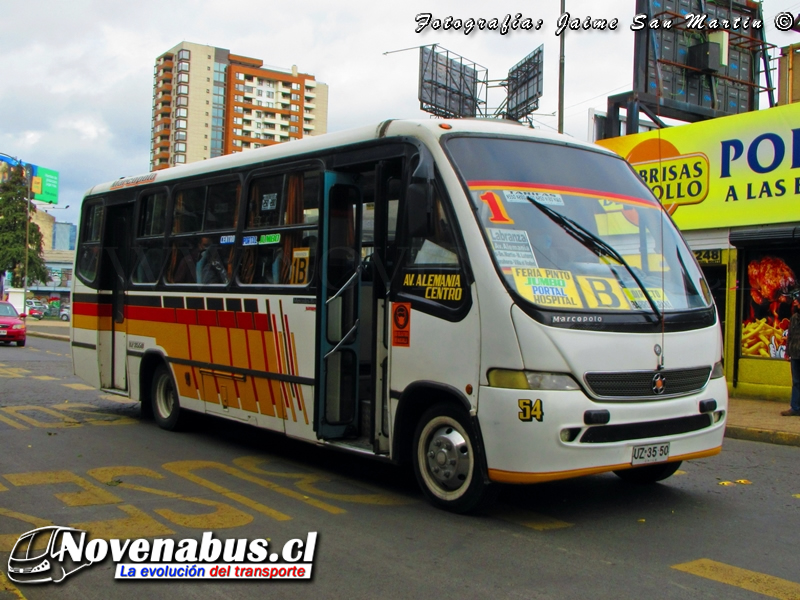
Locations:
(726, 172)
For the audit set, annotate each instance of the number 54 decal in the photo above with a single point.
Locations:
(530, 410)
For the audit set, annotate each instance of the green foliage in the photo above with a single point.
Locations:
(13, 201)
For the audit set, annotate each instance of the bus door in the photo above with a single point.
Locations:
(336, 411)
(112, 343)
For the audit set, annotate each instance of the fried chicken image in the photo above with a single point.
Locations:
(771, 280)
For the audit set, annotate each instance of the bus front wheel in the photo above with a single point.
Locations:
(446, 461)
(166, 408)
(648, 474)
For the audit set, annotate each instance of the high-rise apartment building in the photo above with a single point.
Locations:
(208, 102)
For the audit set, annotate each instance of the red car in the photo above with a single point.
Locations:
(12, 324)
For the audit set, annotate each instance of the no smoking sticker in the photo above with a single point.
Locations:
(401, 324)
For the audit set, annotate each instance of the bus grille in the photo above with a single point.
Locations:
(604, 434)
(642, 384)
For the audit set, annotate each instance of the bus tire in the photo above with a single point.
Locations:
(649, 473)
(447, 461)
(164, 400)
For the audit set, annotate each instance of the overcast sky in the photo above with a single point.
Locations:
(76, 77)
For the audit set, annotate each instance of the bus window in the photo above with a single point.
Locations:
(222, 208)
(189, 207)
(149, 250)
(281, 251)
(89, 253)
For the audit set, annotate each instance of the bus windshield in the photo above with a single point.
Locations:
(574, 228)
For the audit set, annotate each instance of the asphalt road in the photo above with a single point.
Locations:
(724, 527)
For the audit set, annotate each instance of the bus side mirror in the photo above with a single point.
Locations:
(418, 210)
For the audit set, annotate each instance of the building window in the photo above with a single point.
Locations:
(180, 147)
(293, 129)
(295, 86)
(183, 78)
(294, 107)
(270, 94)
(295, 96)
(238, 98)
(184, 54)
(182, 112)
(182, 101)
(294, 118)
(240, 76)
(183, 66)
(237, 120)
(183, 89)
(180, 159)
(180, 135)
(180, 124)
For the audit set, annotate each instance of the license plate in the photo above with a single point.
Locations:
(2, 331)
(653, 453)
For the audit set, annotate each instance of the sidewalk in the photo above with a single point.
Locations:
(753, 420)
(48, 328)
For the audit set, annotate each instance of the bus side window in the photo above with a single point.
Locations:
(149, 249)
(281, 232)
(89, 253)
(438, 247)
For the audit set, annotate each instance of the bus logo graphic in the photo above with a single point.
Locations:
(39, 556)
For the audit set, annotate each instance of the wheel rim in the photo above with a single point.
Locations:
(446, 458)
(165, 397)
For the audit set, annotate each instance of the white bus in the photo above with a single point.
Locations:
(488, 302)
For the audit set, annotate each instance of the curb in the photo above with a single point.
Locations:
(49, 336)
(753, 434)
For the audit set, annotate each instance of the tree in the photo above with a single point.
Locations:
(13, 209)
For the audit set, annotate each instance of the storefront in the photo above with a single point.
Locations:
(732, 185)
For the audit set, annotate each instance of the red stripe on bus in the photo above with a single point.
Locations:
(186, 316)
(226, 319)
(88, 309)
(262, 322)
(207, 317)
(244, 321)
(150, 313)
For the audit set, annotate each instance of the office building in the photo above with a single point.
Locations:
(208, 102)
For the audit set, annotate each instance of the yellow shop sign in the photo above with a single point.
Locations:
(727, 172)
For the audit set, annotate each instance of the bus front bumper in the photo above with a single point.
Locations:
(529, 443)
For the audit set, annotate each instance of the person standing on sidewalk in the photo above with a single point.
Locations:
(793, 355)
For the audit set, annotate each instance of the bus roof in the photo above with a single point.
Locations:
(425, 129)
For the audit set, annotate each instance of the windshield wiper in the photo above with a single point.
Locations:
(596, 245)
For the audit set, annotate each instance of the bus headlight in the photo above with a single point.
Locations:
(531, 380)
(718, 371)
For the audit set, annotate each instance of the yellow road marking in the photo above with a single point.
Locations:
(137, 524)
(528, 519)
(307, 482)
(101, 418)
(13, 372)
(774, 587)
(92, 495)
(224, 516)
(14, 424)
(7, 586)
(44, 378)
(60, 422)
(78, 386)
(7, 540)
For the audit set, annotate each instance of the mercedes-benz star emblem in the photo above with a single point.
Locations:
(659, 383)
(657, 350)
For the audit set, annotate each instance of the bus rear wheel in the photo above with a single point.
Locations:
(648, 474)
(165, 404)
(446, 461)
